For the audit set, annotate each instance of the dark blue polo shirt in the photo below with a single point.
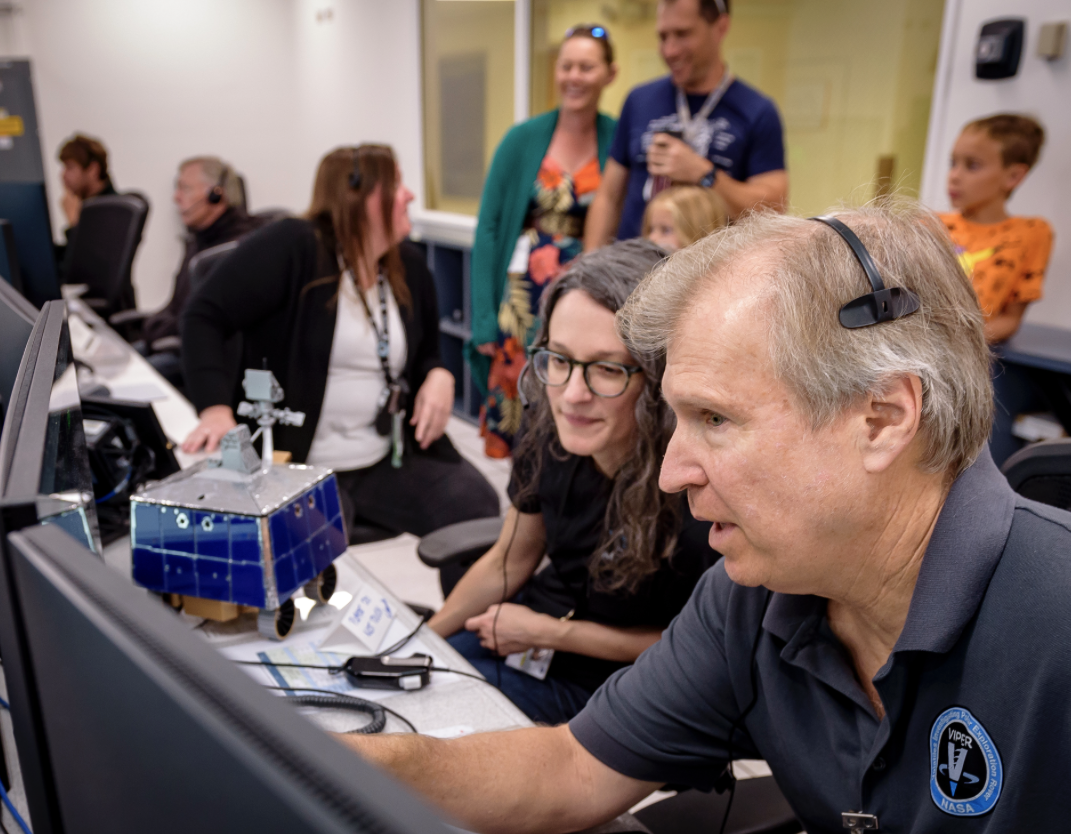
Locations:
(742, 137)
(977, 735)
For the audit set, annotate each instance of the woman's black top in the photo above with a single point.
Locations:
(572, 497)
(270, 290)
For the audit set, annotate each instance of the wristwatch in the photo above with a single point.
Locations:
(708, 180)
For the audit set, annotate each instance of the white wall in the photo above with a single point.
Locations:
(261, 83)
(1041, 89)
(358, 74)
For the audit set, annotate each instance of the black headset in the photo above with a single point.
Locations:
(355, 174)
(884, 303)
(215, 196)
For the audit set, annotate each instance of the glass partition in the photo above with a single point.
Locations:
(853, 81)
(468, 95)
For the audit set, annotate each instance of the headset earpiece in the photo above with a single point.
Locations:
(884, 303)
(215, 196)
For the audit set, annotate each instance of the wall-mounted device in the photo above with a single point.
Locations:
(1000, 45)
(1051, 40)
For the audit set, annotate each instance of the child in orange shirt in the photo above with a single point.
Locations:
(1005, 256)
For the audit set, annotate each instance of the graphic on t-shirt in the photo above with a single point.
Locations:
(704, 133)
(968, 259)
(966, 773)
(1005, 261)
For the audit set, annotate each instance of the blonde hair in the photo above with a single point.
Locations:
(828, 368)
(696, 212)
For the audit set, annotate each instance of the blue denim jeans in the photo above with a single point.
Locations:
(548, 701)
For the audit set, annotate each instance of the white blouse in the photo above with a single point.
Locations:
(345, 435)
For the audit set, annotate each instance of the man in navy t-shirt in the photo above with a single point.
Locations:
(697, 125)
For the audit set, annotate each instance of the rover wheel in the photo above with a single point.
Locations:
(321, 588)
(275, 624)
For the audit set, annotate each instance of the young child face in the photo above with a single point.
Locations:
(978, 175)
(663, 232)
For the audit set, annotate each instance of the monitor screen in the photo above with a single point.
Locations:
(17, 318)
(43, 454)
(9, 261)
(25, 206)
(144, 727)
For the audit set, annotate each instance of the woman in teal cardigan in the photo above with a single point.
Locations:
(543, 177)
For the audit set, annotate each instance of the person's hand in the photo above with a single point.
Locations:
(518, 629)
(216, 421)
(487, 349)
(71, 204)
(671, 157)
(432, 406)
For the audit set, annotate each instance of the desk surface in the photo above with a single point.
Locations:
(1039, 346)
(129, 376)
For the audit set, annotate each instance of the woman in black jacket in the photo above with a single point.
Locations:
(345, 315)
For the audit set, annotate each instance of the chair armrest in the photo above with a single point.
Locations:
(459, 542)
(126, 317)
(166, 344)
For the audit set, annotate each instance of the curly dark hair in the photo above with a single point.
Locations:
(642, 522)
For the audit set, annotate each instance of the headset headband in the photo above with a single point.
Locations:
(884, 303)
(355, 174)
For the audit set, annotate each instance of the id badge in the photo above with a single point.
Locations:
(518, 264)
(534, 662)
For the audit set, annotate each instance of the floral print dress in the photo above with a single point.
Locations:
(553, 235)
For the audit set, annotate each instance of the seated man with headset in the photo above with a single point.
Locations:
(209, 200)
(887, 627)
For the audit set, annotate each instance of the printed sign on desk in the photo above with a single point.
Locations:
(364, 621)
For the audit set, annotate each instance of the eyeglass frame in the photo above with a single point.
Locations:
(573, 363)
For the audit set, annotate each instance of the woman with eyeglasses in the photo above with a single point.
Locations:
(543, 178)
(623, 556)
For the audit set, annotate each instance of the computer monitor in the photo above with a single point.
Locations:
(142, 726)
(44, 462)
(17, 318)
(25, 206)
(9, 260)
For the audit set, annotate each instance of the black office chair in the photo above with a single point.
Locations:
(453, 549)
(109, 233)
(1042, 472)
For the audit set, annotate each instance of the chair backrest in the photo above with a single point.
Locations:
(243, 200)
(202, 264)
(1042, 472)
(108, 236)
(269, 216)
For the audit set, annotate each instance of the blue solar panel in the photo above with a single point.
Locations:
(215, 555)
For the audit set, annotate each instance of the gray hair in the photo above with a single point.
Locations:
(642, 522)
(215, 172)
(828, 368)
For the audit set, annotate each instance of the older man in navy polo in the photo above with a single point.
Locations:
(888, 628)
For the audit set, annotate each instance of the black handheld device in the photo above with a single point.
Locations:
(406, 673)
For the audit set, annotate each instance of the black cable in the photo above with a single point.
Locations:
(739, 722)
(388, 710)
(393, 648)
(505, 593)
(334, 670)
(480, 678)
(379, 716)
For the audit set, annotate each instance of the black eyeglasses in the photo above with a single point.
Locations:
(591, 30)
(604, 379)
